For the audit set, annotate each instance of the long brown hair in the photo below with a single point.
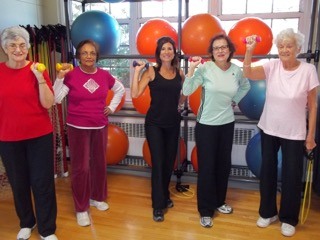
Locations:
(160, 43)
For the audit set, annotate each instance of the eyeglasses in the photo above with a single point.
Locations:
(222, 48)
(21, 46)
(86, 54)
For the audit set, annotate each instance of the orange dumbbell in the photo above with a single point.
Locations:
(63, 66)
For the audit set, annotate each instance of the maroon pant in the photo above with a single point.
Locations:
(88, 165)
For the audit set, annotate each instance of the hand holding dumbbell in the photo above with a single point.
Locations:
(257, 39)
(135, 63)
(41, 67)
(64, 66)
(192, 60)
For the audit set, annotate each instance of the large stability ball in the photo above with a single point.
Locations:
(147, 155)
(110, 96)
(251, 26)
(197, 31)
(195, 99)
(194, 158)
(99, 27)
(117, 146)
(149, 33)
(142, 103)
(254, 156)
(252, 104)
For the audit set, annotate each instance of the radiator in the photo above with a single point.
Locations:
(134, 128)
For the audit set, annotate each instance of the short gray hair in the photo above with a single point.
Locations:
(11, 33)
(290, 33)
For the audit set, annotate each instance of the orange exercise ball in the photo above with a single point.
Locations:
(142, 103)
(197, 31)
(251, 26)
(194, 100)
(117, 145)
(147, 155)
(110, 96)
(194, 158)
(149, 33)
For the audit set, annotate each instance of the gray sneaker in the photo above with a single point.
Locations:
(206, 222)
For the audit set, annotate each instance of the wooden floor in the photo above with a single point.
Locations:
(130, 216)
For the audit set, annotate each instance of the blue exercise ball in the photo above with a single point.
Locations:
(252, 104)
(254, 156)
(99, 27)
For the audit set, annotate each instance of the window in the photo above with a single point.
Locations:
(278, 14)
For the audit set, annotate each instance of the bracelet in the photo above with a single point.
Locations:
(249, 65)
(42, 83)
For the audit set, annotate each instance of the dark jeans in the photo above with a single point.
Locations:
(291, 177)
(29, 166)
(163, 145)
(214, 146)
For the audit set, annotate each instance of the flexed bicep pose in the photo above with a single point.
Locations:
(86, 88)
(223, 86)
(291, 95)
(162, 123)
(26, 135)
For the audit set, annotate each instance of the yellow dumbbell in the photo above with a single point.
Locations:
(41, 67)
(63, 66)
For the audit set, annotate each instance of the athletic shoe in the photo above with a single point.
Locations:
(225, 208)
(50, 237)
(206, 222)
(102, 206)
(169, 203)
(25, 233)
(158, 215)
(83, 219)
(287, 230)
(265, 222)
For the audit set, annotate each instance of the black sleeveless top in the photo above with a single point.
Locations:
(165, 95)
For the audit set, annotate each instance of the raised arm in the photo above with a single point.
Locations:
(253, 73)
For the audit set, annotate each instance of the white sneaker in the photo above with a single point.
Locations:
(50, 237)
(83, 219)
(225, 209)
(102, 206)
(206, 222)
(265, 222)
(25, 233)
(287, 230)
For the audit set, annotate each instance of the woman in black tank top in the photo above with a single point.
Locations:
(162, 123)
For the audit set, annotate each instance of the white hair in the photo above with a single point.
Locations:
(11, 33)
(290, 33)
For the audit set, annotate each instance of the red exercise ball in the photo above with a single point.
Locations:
(147, 155)
(194, 158)
(142, 103)
(251, 26)
(110, 96)
(117, 145)
(197, 31)
(149, 33)
(194, 100)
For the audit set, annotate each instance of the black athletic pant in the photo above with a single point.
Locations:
(29, 166)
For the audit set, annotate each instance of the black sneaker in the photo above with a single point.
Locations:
(158, 215)
(169, 203)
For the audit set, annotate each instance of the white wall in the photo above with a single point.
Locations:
(29, 12)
